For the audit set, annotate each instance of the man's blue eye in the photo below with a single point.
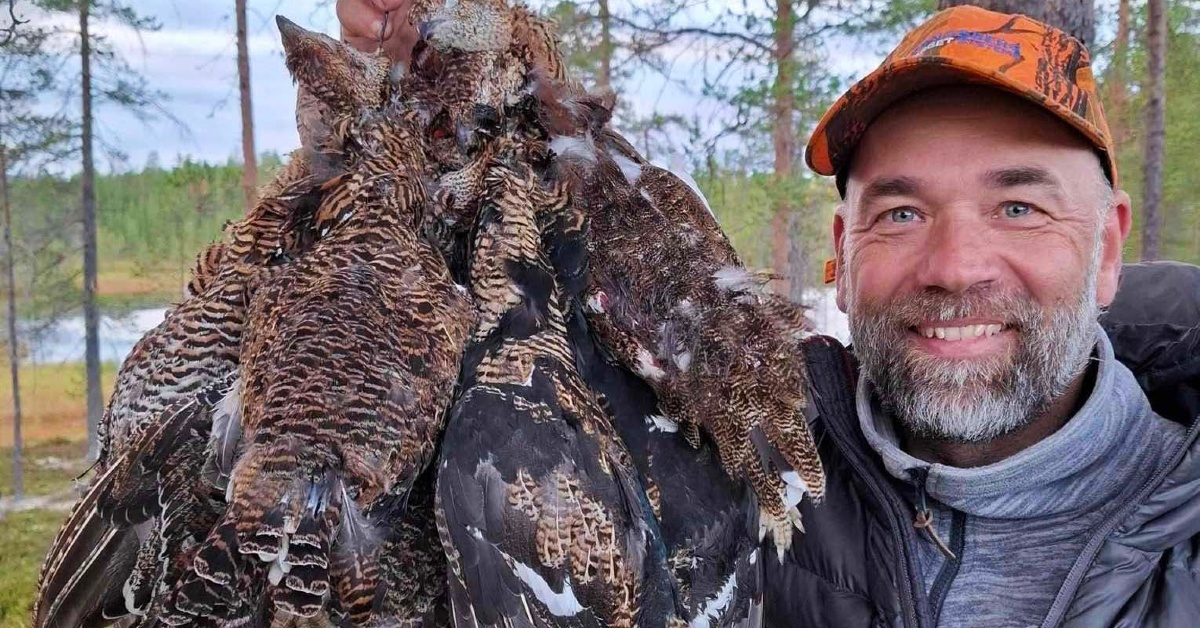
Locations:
(902, 215)
(1016, 210)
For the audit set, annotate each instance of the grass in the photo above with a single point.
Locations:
(53, 400)
(127, 285)
(24, 539)
(50, 468)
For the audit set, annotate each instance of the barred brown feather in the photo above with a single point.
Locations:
(348, 366)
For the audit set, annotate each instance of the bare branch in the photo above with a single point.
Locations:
(692, 31)
(11, 30)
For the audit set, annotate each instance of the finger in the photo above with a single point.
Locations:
(361, 20)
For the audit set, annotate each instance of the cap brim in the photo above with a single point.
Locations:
(850, 116)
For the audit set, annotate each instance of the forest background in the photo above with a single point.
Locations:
(129, 134)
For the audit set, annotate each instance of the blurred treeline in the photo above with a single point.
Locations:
(151, 224)
(757, 77)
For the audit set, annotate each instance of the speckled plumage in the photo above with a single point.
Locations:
(192, 352)
(710, 524)
(347, 369)
(541, 513)
(672, 301)
(622, 439)
(322, 287)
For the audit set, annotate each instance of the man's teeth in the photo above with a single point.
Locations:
(961, 333)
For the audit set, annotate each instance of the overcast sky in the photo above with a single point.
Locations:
(193, 60)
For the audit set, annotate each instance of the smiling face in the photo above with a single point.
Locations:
(977, 240)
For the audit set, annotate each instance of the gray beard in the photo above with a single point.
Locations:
(972, 401)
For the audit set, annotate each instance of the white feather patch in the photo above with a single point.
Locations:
(648, 367)
(683, 360)
(396, 74)
(795, 488)
(130, 602)
(225, 436)
(737, 279)
(595, 303)
(575, 147)
(630, 168)
(714, 607)
(563, 604)
(356, 531)
(660, 423)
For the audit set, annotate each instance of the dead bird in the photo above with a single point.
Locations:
(347, 369)
(542, 516)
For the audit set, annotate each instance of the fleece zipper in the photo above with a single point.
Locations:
(949, 570)
(952, 552)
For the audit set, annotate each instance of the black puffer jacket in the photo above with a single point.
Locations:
(855, 565)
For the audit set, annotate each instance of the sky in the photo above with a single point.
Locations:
(192, 59)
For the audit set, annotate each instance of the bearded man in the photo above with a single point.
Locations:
(997, 464)
(992, 462)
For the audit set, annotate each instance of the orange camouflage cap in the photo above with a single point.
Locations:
(970, 45)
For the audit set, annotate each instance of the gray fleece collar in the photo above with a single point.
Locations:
(1076, 468)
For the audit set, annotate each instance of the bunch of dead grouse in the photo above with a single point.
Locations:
(470, 361)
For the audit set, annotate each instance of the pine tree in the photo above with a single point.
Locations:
(1155, 147)
(249, 158)
(29, 138)
(104, 78)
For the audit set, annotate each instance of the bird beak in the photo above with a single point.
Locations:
(290, 31)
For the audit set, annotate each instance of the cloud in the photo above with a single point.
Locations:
(192, 59)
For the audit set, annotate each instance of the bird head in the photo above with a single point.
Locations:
(344, 79)
(466, 25)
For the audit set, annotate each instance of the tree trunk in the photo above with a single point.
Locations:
(91, 319)
(1118, 79)
(604, 80)
(783, 137)
(13, 365)
(1076, 17)
(797, 259)
(1156, 107)
(249, 157)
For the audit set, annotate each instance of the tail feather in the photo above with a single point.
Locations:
(354, 571)
(215, 584)
(137, 591)
(87, 555)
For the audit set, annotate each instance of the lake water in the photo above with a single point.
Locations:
(63, 341)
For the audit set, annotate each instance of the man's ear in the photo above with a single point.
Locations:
(1116, 230)
(839, 251)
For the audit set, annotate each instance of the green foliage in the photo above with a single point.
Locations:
(29, 68)
(744, 203)
(1181, 187)
(151, 223)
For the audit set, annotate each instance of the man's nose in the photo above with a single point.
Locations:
(958, 256)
